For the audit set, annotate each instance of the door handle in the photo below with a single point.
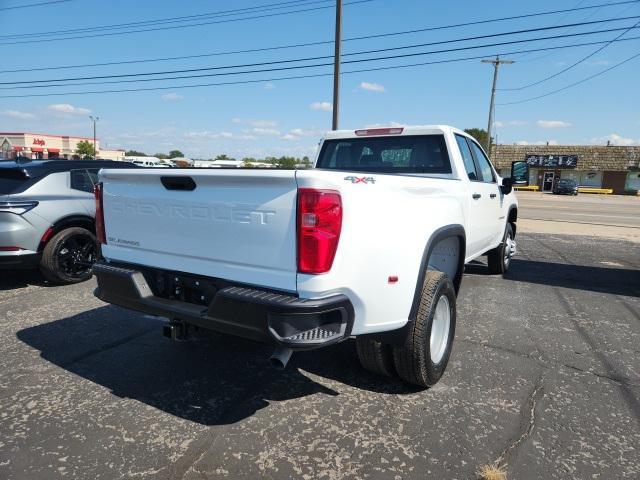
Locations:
(476, 196)
(493, 195)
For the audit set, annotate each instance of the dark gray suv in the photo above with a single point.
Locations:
(47, 212)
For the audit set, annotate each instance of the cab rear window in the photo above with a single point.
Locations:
(403, 154)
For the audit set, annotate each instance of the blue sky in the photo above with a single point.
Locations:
(288, 117)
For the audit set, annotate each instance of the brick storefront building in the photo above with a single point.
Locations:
(613, 167)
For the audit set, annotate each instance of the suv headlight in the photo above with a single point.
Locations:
(18, 207)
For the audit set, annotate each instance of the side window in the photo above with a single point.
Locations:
(93, 174)
(483, 163)
(467, 158)
(80, 180)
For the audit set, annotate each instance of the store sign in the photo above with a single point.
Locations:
(552, 161)
(38, 141)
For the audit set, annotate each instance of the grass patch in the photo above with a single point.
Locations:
(492, 472)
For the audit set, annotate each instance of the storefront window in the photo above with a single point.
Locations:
(590, 179)
(633, 181)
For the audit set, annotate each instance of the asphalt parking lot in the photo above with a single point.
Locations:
(545, 377)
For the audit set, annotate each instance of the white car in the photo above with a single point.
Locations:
(370, 243)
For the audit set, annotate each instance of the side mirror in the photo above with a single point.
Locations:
(507, 186)
(520, 173)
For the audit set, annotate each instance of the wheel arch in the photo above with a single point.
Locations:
(77, 220)
(454, 231)
(442, 234)
(512, 217)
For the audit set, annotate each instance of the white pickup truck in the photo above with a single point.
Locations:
(370, 243)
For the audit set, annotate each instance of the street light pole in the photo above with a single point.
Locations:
(94, 120)
(336, 65)
(496, 65)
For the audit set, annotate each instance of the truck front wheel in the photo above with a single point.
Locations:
(499, 258)
(425, 354)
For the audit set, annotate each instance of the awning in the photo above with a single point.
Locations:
(53, 150)
(18, 149)
(37, 149)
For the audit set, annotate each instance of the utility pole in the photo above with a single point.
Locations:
(496, 65)
(94, 120)
(336, 65)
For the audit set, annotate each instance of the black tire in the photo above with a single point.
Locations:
(375, 356)
(413, 361)
(68, 256)
(497, 259)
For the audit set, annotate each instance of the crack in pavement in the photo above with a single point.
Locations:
(533, 399)
(549, 364)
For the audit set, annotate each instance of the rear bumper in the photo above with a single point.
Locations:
(266, 316)
(19, 260)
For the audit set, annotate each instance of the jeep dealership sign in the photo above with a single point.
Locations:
(552, 161)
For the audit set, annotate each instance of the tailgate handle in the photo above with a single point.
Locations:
(178, 183)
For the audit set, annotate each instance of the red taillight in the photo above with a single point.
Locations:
(319, 225)
(100, 232)
(379, 131)
(10, 249)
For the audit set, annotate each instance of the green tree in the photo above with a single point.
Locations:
(222, 157)
(134, 153)
(480, 134)
(287, 162)
(176, 154)
(84, 149)
(306, 162)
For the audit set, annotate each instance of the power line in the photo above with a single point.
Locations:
(617, 14)
(39, 83)
(441, 27)
(297, 45)
(163, 21)
(355, 2)
(566, 15)
(571, 85)
(30, 5)
(549, 77)
(314, 75)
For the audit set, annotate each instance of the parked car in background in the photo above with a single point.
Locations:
(566, 186)
(47, 212)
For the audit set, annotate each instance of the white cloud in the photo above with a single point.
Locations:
(172, 97)
(310, 132)
(269, 86)
(615, 139)
(68, 109)
(509, 123)
(265, 131)
(17, 115)
(289, 136)
(552, 124)
(372, 87)
(207, 135)
(256, 123)
(324, 106)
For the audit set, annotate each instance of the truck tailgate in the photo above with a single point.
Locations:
(235, 225)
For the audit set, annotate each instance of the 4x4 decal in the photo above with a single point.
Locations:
(360, 179)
